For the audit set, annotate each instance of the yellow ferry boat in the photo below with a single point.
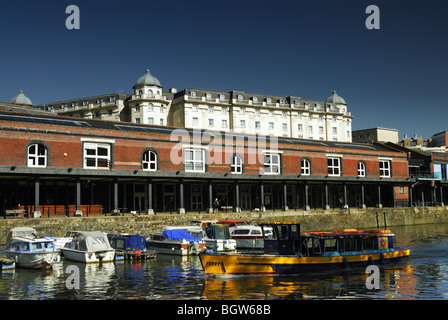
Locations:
(290, 251)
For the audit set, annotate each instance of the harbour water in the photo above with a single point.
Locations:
(423, 276)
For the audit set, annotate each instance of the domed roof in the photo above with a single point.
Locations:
(21, 99)
(148, 80)
(334, 98)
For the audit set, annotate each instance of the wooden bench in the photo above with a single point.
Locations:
(16, 213)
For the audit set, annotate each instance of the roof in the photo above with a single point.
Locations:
(335, 98)
(21, 99)
(148, 80)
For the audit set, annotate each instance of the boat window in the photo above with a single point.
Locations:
(283, 233)
(36, 246)
(316, 246)
(49, 245)
(241, 231)
(268, 233)
(350, 244)
(255, 232)
(26, 246)
(295, 231)
(330, 245)
(15, 246)
(367, 244)
(120, 243)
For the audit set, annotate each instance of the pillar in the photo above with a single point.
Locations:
(285, 197)
(307, 205)
(36, 213)
(181, 208)
(262, 207)
(150, 207)
(380, 205)
(237, 197)
(441, 196)
(345, 196)
(327, 205)
(115, 209)
(363, 201)
(78, 211)
(210, 197)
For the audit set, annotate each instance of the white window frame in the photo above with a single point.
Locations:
(305, 167)
(385, 171)
(236, 167)
(40, 154)
(271, 167)
(334, 166)
(99, 159)
(198, 165)
(149, 161)
(361, 169)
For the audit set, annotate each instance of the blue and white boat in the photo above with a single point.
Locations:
(29, 251)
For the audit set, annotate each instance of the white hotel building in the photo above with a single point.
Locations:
(234, 111)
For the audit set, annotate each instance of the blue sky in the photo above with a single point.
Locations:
(394, 77)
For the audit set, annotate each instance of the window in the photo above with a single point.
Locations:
(137, 108)
(161, 122)
(243, 110)
(299, 127)
(137, 120)
(299, 115)
(305, 167)
(195, 107)
(150, 120)
(257, 125)
(385, 165)
(321, 129)
(335, 130)
(149, 93)
(284, 114)
(271, 163)
(210, 109)
(195, 121)
(224, 110)
(96, 155)
(271, 125)
(211, 122)
(321, 118)
(224, 123)
(37, 155)
(236, 166)
(243, 123)
(310, 129)
(334, 166)
(257, 112)
(149, 161)
(310, 117)
(193, 93)
(194, 160)
(271, 113)
(361, 169)
(284, 126)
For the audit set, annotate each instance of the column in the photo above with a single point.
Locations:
(379, 196)
(345, 196)
(363, 202)
(307, 205)
(441, 196)
(285, 197)
(150, 207)
(327, 205)
(237, 197)
(78, 211)
(36, 213)
(181, 208)
(262, 207)
(210, 197)
(115, 209)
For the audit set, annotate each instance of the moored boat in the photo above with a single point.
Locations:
(29, 251)
(175, 241)
(216, 236)
(89, 247)
(247, 236)
(290, 251)
(130, 246)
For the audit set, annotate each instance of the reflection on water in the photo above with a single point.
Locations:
(424, 276)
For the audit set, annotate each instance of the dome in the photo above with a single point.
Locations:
(148, 80)
(334, 98)
(21, 99)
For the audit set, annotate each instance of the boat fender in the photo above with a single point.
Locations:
(371, 260)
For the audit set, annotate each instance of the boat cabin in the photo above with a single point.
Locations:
(29, 245)
(288, 240)
(127, 242)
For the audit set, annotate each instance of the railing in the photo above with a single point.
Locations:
(428, 175)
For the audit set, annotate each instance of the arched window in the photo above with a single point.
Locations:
(149, 93)
(150, 107)
(37, 155)
(149, 161)
(361, 169)
(305, 167)
(236, 166)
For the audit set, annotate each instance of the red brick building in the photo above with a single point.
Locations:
(55, 164)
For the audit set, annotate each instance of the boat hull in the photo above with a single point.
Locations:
(88, 257)
(278, 264)
(175, 247)
(33, 260)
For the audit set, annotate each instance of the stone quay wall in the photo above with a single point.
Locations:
(312, 220)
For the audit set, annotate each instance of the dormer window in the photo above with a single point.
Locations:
(193, 94)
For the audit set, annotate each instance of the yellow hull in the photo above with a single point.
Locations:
(269, 264)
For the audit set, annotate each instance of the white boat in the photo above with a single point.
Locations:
(60, 242)
(175, 240)
(29, 251)
(89, 247)
(247, 236)
(216, 236)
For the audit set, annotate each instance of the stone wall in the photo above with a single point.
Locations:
(312, 220)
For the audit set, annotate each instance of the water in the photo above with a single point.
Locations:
(423, 276)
